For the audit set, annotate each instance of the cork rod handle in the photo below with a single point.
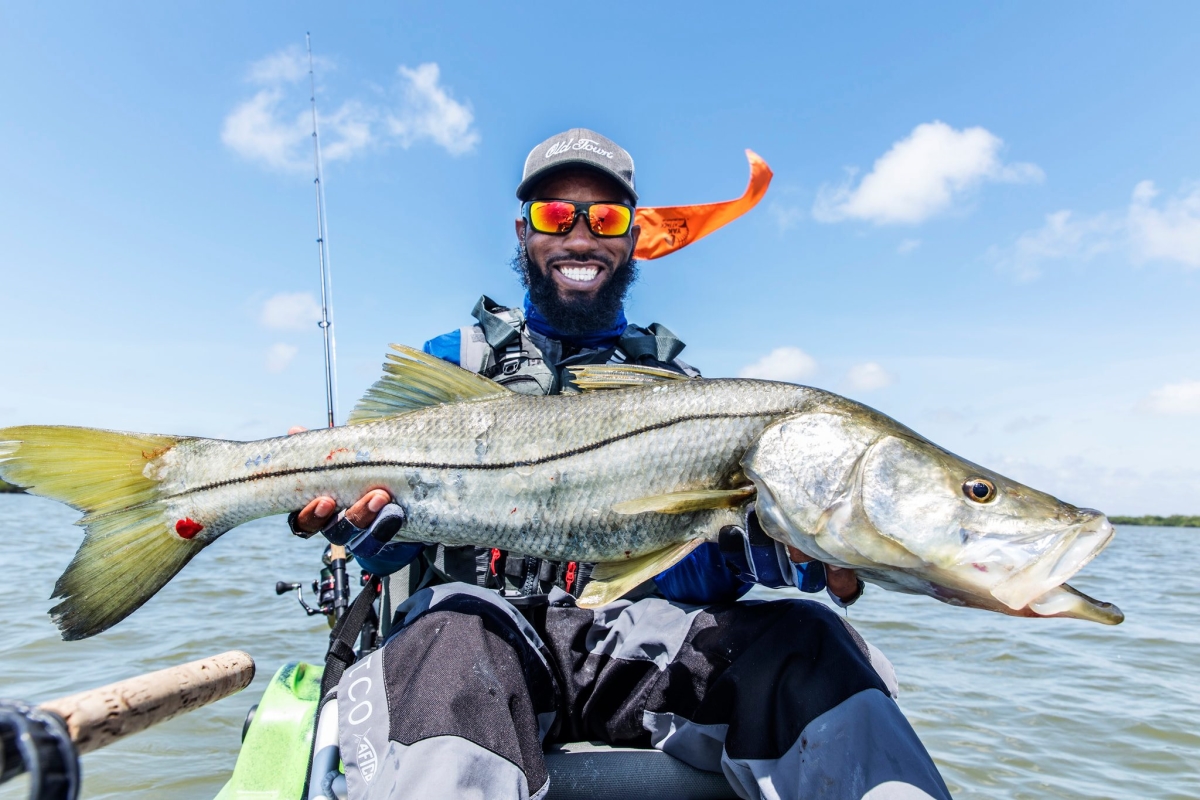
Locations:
(97, 717)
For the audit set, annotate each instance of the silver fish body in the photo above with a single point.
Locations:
(534, 475)
(631, 478)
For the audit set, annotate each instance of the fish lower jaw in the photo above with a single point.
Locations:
(1067, 601)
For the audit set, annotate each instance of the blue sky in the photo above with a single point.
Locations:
(985, 221)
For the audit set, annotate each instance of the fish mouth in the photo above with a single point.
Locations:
(1067, 601)
(1057, 565)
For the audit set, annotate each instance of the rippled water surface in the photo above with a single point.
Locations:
(1009, 708)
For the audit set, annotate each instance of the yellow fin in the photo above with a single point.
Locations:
(130, 549)
(613, 579)
(413, 379)
(685, 502)
(594, 377)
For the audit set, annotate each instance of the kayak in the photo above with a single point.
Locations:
(277, 738)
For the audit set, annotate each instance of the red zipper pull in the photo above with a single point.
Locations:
(569, 580)
(495, 560)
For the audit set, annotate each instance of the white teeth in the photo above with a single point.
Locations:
(581, 274)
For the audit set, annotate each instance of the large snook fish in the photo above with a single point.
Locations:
(633, 473)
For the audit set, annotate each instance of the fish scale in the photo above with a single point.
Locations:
(534, 475)
(632, 479)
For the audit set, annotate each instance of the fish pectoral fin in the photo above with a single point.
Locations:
(613, 579)
(597, 377)
(414, 379)
(685, 502)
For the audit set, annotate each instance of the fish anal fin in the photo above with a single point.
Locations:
(611, 580)
(597, 377)
(414, 379)
(686, 502)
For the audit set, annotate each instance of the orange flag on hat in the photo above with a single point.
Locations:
(666, 229)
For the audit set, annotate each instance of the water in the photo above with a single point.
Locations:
(1010, 708)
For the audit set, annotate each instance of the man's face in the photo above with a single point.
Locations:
(580, 265)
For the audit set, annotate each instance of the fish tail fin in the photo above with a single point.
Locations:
(131, 547)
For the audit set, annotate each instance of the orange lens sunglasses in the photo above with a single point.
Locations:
(557, 217)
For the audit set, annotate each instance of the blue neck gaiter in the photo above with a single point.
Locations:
(596, 339)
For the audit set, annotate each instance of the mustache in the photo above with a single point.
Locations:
(577, 258)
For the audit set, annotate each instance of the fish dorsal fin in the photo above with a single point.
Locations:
(594, 377)
(613, 579)
(413, 379)
(686, 502)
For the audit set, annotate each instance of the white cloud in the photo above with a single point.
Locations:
(256, 131)
(1062, 236)
(921, 176)
(781, 364)
(290, 311)
(907, 246)
(868, 377)
(1174, 399)
(274, 127)
(1171, 233)
(786, 217)
(279, 356)
(346, 132)
(1022, 424)
(429, 112)
(1143, 232)
(285, 66)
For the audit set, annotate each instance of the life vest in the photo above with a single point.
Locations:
(501, 346)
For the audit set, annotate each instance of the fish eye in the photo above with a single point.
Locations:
(981, 490)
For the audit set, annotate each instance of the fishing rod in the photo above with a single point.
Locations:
(326, 323)
(337, 554)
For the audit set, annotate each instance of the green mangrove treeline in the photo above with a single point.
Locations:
(1173, 521)
(8, 488)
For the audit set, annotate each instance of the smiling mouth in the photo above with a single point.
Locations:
(579, 274)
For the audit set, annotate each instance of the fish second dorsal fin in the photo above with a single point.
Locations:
(413, 379)
(595, 377)
(613, 579)
(686, 502)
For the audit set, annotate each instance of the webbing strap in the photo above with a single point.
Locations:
(498, 330)
(340, 655)
(658, 342)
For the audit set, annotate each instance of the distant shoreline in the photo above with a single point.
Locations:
(1173, 521)
(8, 488)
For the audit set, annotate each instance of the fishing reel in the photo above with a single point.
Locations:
(329, 588)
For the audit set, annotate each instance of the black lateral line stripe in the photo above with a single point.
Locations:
(533, 462)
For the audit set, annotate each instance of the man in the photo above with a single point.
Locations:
(782, 697)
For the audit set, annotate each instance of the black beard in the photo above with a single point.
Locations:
(576, 316)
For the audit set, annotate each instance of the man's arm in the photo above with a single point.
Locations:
(724, 570)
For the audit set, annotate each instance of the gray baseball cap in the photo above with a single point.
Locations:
(577, 147)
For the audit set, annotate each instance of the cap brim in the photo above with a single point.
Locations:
(526, 186)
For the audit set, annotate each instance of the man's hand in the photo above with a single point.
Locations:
(841, 581)
(319, 512)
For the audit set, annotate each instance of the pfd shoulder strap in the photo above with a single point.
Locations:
(501, 326)
(656, 342)
(500, 348)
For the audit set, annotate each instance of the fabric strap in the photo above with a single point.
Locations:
(341, 639)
